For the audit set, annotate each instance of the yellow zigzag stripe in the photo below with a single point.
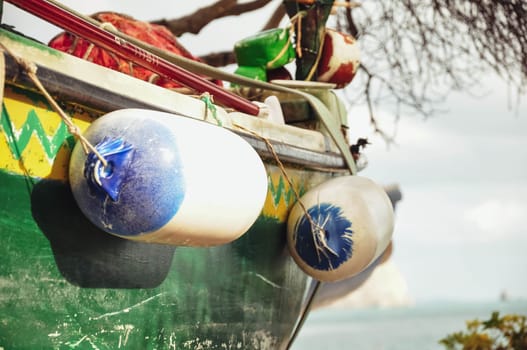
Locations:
(32, 125)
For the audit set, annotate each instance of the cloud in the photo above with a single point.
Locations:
(498, 218)
(461, 213)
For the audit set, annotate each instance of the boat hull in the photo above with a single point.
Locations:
(66, 284)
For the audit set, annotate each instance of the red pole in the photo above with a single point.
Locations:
(80, 27)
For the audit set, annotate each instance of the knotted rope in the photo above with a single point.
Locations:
(31, 69)
(208, 99)
(317, 229)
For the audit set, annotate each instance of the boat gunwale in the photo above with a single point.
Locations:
(73, 90)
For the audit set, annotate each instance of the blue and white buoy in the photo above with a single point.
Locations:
(343, 225)
(168, 179)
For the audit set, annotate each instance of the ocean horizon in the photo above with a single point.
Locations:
(415, 327)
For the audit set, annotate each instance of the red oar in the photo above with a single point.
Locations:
(68, 21)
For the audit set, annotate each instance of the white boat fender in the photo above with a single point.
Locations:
(168, 179)
(338, 228)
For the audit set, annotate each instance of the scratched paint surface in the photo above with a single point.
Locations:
(64, 284)
(247, 293)
(33, 138)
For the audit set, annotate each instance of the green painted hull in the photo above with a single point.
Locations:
(65, 284)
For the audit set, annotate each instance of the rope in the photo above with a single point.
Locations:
(317, 60)
(208, 99)
(31, 69)
(280, 166)
(317, 229)
(282, 52)
(296, 20)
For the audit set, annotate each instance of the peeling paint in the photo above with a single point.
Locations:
(172, 341)
(123, 338)
(200, 298)
(198, 344)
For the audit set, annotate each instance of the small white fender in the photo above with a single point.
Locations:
(348, 224)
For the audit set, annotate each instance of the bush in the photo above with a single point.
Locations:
(498, 333)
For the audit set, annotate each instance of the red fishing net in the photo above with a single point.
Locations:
(155, 35)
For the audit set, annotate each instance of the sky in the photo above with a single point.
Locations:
(461, 227)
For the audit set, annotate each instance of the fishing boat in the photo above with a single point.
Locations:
(66, 281)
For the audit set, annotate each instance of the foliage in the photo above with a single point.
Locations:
(415, 52)
(508, 332)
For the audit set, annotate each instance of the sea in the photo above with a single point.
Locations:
(416, 327)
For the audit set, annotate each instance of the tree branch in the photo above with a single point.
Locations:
(418, 51)
(276, 18)
(222, 59)
(219, 59)
(196, 21)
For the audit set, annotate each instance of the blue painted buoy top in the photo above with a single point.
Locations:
(343, 226)
(169, 179)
